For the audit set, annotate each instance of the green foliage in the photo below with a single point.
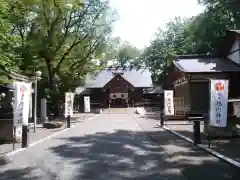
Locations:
(196, 35)
(121, 53)
(58, 37)
(166, 44)
(7, 41)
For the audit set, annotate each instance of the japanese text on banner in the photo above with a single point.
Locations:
(168, 102)
(218, 103)
(69, 100)
(22, 93)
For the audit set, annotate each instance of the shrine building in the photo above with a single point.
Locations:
(117, 87)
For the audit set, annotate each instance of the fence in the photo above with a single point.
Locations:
(180, 107)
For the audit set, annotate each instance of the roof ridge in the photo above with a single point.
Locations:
(113, 68)
(216, 64)
(189, 56)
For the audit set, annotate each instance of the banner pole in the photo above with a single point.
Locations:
(209, 115)
(14, 136)
(69, 121)
(209, 138)
(109, 108)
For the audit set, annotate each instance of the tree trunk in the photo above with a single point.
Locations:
(53, 98)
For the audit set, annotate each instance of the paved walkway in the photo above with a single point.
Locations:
(109, 147)
(42, 133)
(194, 163)
(115, 147)
(227, 147)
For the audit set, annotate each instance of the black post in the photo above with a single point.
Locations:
(196, 132)
(161, 109)
(68, 121)
(161, 118)
(25, 136)
(14, 136)
(209, 137)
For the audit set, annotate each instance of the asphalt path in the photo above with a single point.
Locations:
(110, 146)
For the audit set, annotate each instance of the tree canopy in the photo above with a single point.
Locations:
(58, 37)
(54, 36)
(63, 38)
(121, 53)
(200, 34)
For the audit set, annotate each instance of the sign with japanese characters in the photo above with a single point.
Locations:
(87, 104)
(168, 102)
(218, 102)
(69, 99)
(22, 93)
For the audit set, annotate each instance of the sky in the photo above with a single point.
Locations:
(139, 19)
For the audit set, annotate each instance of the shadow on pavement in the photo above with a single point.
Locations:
(27, 173)
(193, 162)
(15, 174)
(228, 146)
(119, 155)
(125, 155)
(19, 174)
(130, 155)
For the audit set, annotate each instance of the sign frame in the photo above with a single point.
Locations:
(87, 105)
(21, 103)
(218, 102)
(168, 103)
(69, 101)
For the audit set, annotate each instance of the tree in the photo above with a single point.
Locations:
(127, 54)
(225, 8)
(166, 44)
(56, 29)
(201, 34)
(207, 30)
(122, 53)
(7, 59)
(59, 37)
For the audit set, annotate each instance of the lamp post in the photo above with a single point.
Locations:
(36, 78)
(2, 95)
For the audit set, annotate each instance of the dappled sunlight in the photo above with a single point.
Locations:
(130, 150)
(192, 161)
(122, 155)
(83, 145)
(174, 148)
(25, 174)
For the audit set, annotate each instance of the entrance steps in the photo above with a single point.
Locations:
(119, 110)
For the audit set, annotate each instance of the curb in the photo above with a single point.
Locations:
(210, 151)
(43, 139)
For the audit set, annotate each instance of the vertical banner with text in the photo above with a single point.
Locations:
(69, 99)
(21, 106)
(168, 102)
(218, 102)
(87, 104)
